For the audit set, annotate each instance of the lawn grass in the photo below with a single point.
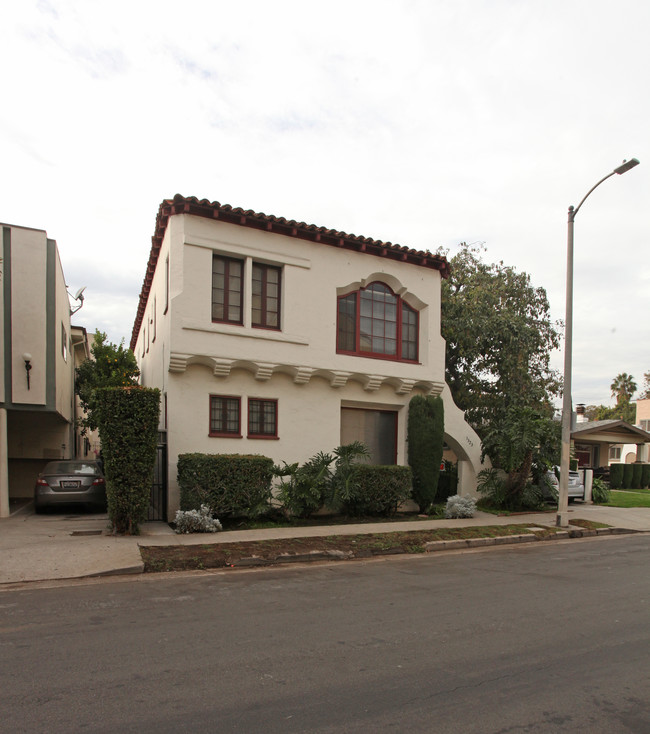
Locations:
(629, 498)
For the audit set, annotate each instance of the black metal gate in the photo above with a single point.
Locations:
(158, 500)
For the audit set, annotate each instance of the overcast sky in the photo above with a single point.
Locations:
(421, 123)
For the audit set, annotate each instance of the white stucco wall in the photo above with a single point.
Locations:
(192, 358)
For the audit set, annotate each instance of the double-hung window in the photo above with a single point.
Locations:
(262, 418)
(227, 289)
(225, 417)
(266, 296)
(374, 322)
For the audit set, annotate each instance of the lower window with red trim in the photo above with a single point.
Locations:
(225, 416)
(262, 418)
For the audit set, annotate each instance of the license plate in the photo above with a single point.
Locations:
(70, 484)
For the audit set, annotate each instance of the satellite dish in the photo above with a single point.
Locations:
(79, 294)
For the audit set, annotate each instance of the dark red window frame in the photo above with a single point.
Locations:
(257, 430)
(266, 313)
(230, 296)
(348, 340)
(220, 405)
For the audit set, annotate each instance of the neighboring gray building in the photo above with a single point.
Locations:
(36, 361)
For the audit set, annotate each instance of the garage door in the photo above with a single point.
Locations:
(376, 428)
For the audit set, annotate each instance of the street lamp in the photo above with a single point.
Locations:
(563, 498)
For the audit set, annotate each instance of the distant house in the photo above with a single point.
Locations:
(36, 362)
(601, 443)
(271, 336)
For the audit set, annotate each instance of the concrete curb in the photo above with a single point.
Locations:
(433, 546)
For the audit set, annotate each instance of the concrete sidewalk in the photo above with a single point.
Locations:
(51, 547)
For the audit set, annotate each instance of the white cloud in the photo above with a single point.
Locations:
(423, 123)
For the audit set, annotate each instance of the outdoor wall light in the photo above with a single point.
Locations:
(28, 365)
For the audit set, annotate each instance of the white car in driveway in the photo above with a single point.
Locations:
(576, 486)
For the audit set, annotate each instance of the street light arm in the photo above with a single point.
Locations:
(623, 168)
(584, 198)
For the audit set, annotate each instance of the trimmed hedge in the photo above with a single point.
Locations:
(426, 434)
(233, 485)
(377, 490)
(645, 476)
(616, 475)
(628, 471)
(128, 428)
(637, 472)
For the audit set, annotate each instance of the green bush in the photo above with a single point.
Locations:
(616, 475)
(492, 487)
(303, 492)
(599, 492)
(232, 485)
(645, 476)
(628, 471)
(637, 472)
(378, 490)
(128, 428)
(426, 433)
(342, 485)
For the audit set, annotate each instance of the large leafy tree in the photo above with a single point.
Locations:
(109, 366)
(500, 336)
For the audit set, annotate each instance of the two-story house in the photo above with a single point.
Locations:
(36, 362)
(271, 336)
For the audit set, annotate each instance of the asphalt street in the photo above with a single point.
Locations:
(536, 638)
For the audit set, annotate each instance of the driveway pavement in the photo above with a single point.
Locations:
(51, 547)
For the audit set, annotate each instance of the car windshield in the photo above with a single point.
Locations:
(72, 467)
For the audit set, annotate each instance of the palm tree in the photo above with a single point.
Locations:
(623, 388)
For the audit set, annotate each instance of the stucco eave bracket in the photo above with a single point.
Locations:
(434, 388)
(303, 375)
(264, 371)
(340, 379)
(373, 382)
(178, 362)
(405, 387)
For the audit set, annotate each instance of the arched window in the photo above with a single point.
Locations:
(374, 322)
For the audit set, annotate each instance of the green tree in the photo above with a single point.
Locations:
(500, 336)
(623, 387)
(426, 434)
(109, 366)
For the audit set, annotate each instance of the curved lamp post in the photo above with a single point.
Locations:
(567, 409)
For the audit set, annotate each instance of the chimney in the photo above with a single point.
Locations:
(580, 413)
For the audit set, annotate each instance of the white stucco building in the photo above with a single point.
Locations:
(269, 336)
(36, 362)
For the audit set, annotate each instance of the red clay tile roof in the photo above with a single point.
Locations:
(279, 225)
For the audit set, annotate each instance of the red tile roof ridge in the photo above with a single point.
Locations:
(280, 225)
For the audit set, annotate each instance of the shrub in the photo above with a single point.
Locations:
(303, 493)
(425, 444)
(628, 471)
(492, 487)
(378, 490)
(128, 428)
(458, 506)
(645, 476)
(532, 497)
(233, 485)
(599, 492)
(616, 475)
(196, 521)
(343, 483)
(637, 472)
